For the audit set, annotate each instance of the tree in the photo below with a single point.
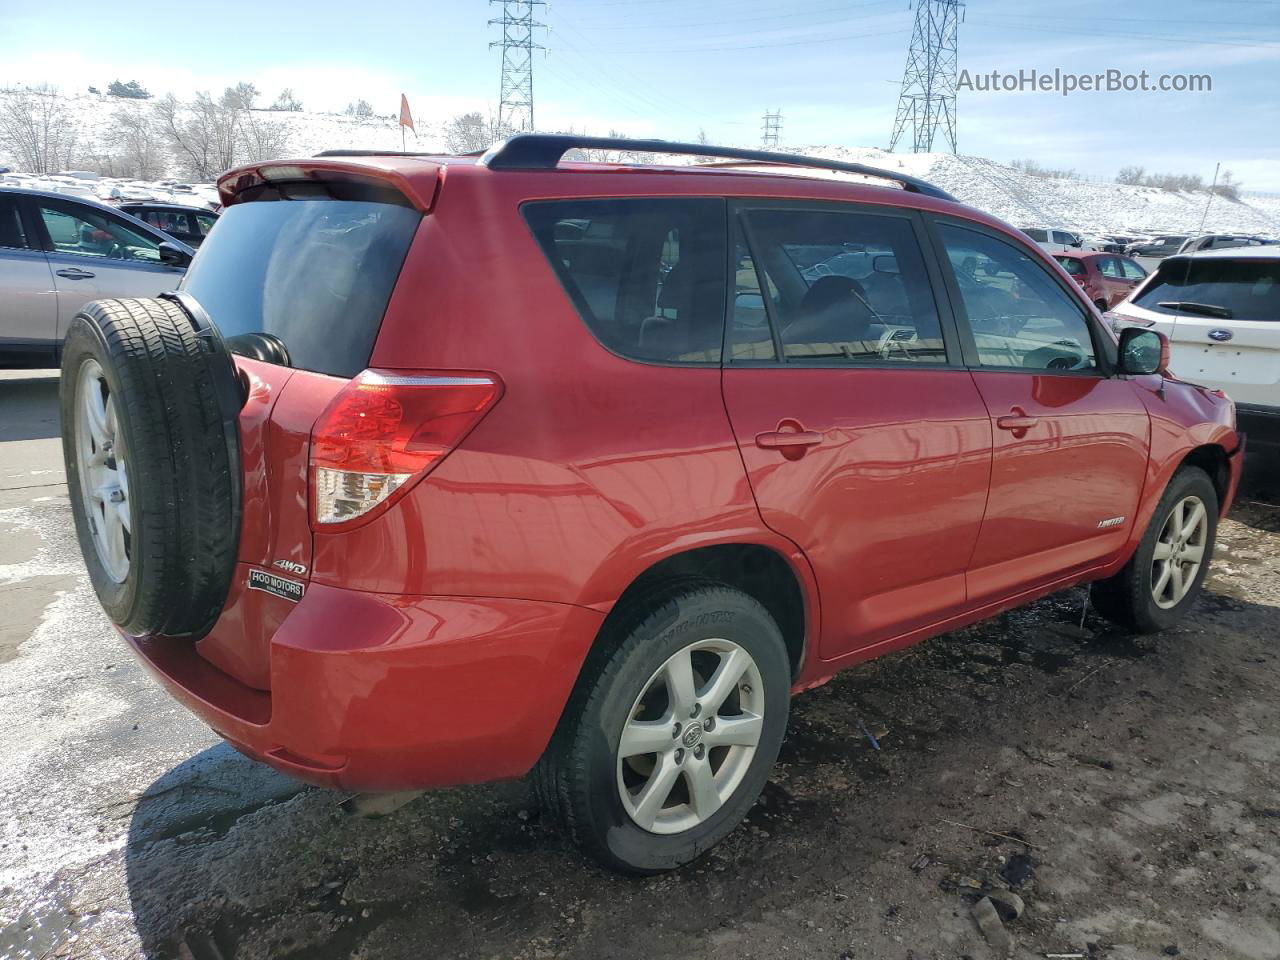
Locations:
(1228, 186)
(1133, 176)
(132, 90)
(287, 101)
(37, 130)
(361, 108)
(137, 146)
(702, 136)
(262, 137)
(470, 132)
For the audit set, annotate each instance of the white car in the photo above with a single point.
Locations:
(1220, 310)
(1058, 240)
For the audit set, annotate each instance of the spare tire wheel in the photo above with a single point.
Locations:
(150, 436)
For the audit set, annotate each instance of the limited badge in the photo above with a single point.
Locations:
(273, 583)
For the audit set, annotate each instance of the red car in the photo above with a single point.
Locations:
(1107, 278)
(439, 470)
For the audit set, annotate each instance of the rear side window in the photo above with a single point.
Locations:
(1039, 236)
(1248, 289)
(850, 287)
(646, 274)
(1073, 266)
(314, 275)
(11, 232)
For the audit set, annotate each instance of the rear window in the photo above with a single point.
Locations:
(647, 275)
(1250, 289)
(1073, 266)
(314, 274)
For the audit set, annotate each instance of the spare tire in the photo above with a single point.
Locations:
(149, 401)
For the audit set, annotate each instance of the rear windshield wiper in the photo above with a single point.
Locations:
(1204, 309)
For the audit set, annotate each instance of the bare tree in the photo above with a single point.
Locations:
(361, 108)
(37, 130)
(1133, 175)
(287, 101)
(203, 134)
(1228, 186)
(262, 138)
(137, 146)
(469, 132)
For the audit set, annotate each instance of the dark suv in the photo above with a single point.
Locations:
(440, 470)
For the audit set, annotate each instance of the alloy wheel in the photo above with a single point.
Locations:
(104, 480)
(1179, 552)
(690, 736)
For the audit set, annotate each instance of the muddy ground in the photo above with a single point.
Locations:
(1125, 788)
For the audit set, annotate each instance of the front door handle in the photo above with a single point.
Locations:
(791, 439)
(75, 273)
(1017, 421)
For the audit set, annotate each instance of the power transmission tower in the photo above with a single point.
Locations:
(928, 97)
(772, 128)
(515, 107)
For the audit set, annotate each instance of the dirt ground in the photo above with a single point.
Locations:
(1124, 788)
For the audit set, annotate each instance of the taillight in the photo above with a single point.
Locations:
(385, 430)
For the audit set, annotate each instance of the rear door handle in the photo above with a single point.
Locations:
(1017, 421)
(791, 439)
(75, 273)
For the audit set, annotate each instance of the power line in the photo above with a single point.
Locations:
(928, 96)
(515, 104)
(791, 14)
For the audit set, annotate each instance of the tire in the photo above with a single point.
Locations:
(162, 562)
(1129, 598)
(582, 777)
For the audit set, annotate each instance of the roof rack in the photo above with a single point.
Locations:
(543, 151)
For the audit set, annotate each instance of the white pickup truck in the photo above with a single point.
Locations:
(1221, 312)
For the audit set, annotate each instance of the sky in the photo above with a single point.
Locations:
(672, 68)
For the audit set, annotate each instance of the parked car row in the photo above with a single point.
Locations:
(58, 252)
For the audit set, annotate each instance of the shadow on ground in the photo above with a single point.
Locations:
(227, 859)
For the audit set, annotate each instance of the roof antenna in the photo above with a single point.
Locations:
(1186, 276)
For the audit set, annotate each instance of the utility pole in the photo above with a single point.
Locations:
(772, 128)
(928, 96)
(515, 105)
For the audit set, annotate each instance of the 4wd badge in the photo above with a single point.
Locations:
(281, 586)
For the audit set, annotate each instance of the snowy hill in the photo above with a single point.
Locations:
(1017, 197)
(1026, 200)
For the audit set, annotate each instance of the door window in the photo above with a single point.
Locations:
(1131, 269)
(11, 232)
(1018, 314)
(1110, 267)
(646, 275)
(750, 334)
(846, 286)
(171, 222)
(206, 222)
(1063, 239)
(86, 232)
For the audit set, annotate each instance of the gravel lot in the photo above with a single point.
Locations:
(1125, 788)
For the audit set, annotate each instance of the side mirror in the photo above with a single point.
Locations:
(173, 255)
(1143, 351)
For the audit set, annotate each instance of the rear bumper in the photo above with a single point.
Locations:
(383, 692)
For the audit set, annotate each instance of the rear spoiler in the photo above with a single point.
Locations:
(341, 179)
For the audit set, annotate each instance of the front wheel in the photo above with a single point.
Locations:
(1154, 590)
(670, 736)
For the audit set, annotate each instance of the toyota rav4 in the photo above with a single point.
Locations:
(439, 470)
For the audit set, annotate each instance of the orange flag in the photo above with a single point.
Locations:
(406, 118)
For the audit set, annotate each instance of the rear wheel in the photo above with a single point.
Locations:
(670, 736)
(152, 463)
(1161, 581)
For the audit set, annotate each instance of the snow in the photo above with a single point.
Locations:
(1021, 199)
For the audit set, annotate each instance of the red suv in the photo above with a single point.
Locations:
(439, 470)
